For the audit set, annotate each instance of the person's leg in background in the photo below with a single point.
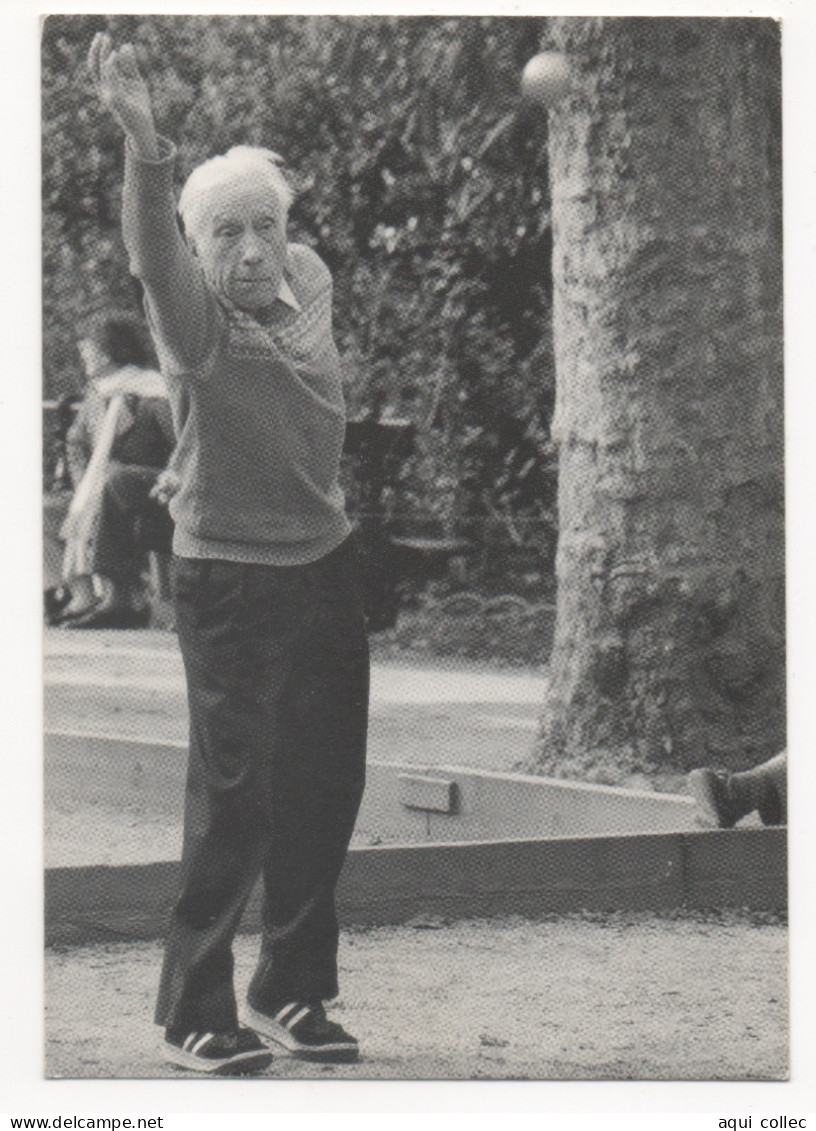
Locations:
(764, 788)
(126, 497)
(724, 798)
(118, 597)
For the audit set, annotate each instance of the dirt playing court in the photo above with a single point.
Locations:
(621, 996)
(613, 997)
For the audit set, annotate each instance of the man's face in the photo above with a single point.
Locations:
(240, 238)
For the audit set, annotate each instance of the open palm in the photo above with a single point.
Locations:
(119, 84)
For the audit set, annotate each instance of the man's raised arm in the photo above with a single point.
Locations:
(179, 304)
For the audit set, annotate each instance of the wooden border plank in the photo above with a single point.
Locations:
(390, 885)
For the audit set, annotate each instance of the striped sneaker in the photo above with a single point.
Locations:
(305, 1032)
(237, 1053)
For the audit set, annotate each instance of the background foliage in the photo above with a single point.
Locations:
(420, 182)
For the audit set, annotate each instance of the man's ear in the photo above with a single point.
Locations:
(191, 247)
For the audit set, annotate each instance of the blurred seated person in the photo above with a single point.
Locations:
(724, 798)
(117, 449)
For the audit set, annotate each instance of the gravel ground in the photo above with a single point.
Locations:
(569, 998)
(423, 711)
(614, 997)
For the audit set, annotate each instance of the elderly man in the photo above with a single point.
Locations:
(268, 606)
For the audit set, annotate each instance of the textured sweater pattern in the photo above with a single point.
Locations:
(258, 410)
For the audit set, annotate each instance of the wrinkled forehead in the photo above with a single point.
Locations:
(249, 194)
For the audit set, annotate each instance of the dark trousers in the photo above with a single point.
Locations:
(125, 510)
(764, 788)
(277, 679)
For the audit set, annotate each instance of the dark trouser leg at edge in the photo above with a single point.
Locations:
(764, 788)
(277, 673)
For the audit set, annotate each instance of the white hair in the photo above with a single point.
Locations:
(233, 165)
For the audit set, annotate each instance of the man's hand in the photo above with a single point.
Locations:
(123, 91)
(165, 486)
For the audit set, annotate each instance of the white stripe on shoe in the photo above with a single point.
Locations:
(343, 1049)
(301, 1013)
(199, 1045)
(201, 1052)
(287, 1009)
(254, 1061)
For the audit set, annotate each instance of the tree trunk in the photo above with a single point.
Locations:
(666, 197)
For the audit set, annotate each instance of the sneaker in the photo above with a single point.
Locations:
(305, 1032)
(709, 788)
(57, 599)
(236, 1053)
(70, 599)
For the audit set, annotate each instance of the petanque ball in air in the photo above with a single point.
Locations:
(546, 79)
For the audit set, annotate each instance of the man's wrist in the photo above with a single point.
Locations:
(144, 142)
(164, 152)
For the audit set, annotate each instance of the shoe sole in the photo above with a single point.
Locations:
(337, 1053)
(243, 1064)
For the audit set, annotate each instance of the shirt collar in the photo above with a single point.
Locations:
(285, 294)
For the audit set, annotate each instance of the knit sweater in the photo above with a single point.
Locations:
(258, 409)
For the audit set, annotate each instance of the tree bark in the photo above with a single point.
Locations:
(665, 170)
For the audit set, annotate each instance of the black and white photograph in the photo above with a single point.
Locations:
(413, 560)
